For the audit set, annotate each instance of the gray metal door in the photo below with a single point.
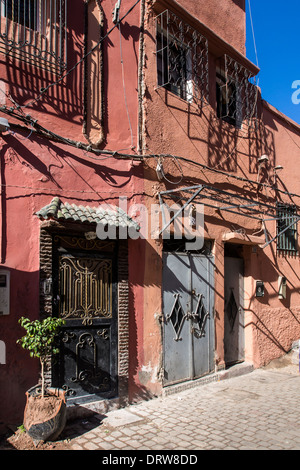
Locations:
(188, 316)
(234, 342)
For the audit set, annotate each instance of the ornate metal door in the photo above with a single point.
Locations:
(234, 347)
(85, 297)
(188, 316)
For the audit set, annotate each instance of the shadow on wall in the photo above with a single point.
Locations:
(272, 336)
(26, 81)
(240, 3)
(115, 176)
(225, 147)
(20, 372)
(275, 321)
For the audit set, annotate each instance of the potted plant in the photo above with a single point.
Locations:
(45, 410)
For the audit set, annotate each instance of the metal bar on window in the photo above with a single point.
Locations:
(182, 59)
(239, 93)
(282, 232)
(65, 33)
(287, 228)
(35, 32)
(60, 28)
(55, 26)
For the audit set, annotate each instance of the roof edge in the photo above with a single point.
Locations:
(281, 115)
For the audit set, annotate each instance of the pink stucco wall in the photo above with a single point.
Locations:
(220, 17)
(273, 324)
(34, 170)
(175, 127)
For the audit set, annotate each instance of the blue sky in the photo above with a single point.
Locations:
(277, 36)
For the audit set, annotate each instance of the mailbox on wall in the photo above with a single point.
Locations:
(260, 289)
(4, 292)
(282, 287)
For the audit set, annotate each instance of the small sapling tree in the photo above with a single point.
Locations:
(40, 340)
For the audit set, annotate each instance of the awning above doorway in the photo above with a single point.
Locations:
(106, 215)
(242, 238)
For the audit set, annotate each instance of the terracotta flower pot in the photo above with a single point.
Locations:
(45, 418)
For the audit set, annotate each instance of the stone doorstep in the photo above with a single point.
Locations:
(99, 407)
(236, 370)
(233, 371)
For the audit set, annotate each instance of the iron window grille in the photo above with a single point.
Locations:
(35, 31)
(287, 228)
(182, 59)
(236, 92)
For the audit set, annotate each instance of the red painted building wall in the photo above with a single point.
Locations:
(34, 169)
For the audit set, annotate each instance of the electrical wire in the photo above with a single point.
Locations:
(163, 174)
(253, 34)
(26, 137)
(40, 130)
(114, 154)
(77, 191)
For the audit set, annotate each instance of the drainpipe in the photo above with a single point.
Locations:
(141, 80)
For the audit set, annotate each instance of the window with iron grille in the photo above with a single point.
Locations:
(236, 92)
(287, 228)
(17, 12)
(35, 31)
(182, 59)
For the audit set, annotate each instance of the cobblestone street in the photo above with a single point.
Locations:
(256, 411)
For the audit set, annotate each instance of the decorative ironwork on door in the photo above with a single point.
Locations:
(85, 288)
(232, 309)
(176, 317)
(234, 321)
(85, 297)
(199, 317)
(85, 347)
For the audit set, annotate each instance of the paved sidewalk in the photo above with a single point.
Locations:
(256, 411)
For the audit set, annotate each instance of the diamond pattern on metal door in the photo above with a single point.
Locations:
(234, 321)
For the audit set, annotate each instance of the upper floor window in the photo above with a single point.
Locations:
(182, 58)
(236, 94)
(287, 228)
(35, 31)
(227, 101)
(20, 13)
